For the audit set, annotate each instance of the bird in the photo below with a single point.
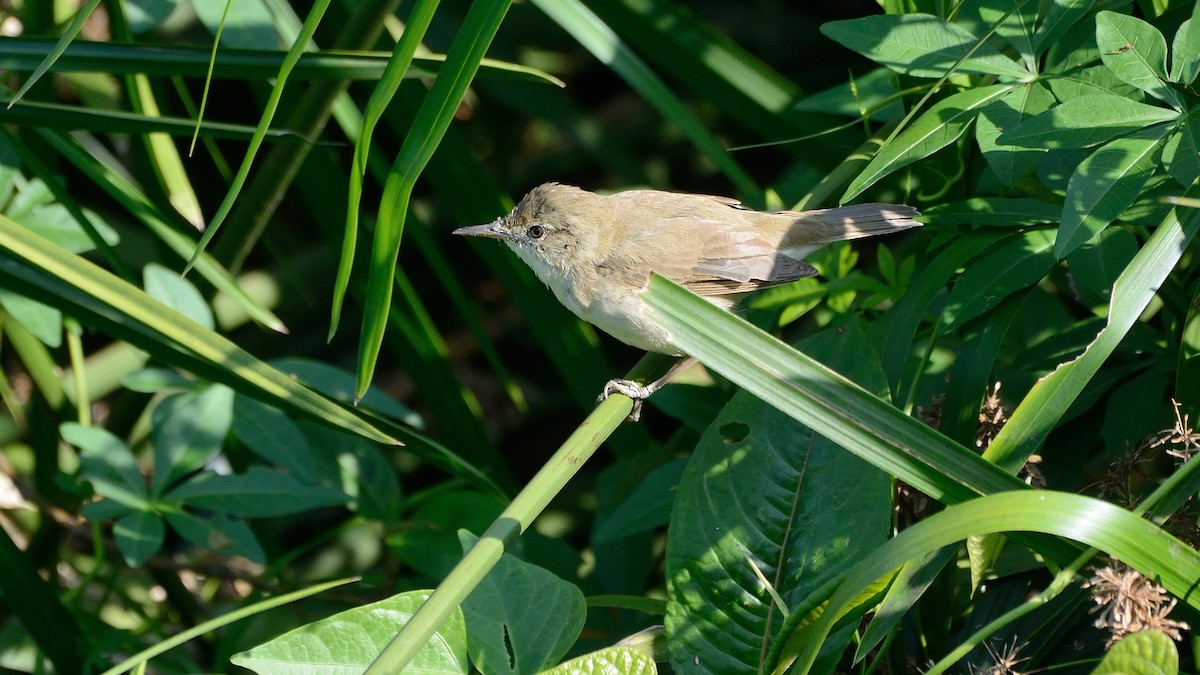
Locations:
(596, 252)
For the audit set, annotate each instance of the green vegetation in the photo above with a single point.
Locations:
(344, 441)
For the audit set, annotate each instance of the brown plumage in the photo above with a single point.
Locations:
(596, 252)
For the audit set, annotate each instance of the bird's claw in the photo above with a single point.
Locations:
(634, 390)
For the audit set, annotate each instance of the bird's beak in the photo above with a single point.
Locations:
(492, 229)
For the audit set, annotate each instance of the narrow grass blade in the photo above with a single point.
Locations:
(381, 96)
(60, 46)
(1049, 399)
(432, 120)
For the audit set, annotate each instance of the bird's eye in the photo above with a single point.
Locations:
(536, 232)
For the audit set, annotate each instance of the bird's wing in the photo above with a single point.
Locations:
(725, 258)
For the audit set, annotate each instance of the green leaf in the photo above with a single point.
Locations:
(1008, 162)
(273, 436)
(153, 380)
(521, 618)
(219, 534)
(1057, 18)
(347, 642)
(1051, 396)
(936, 128)
(107, 463)
(648, 506)
(1001, 211)
(338, 384)
(1096, 265)
(178, 293)
(139, 535)
(763, 494)
(1185, 50)
(1086, 121)
(44, 321)
(611, 661)
(1097, 80)
(1181, 153)
(1137, 542)
(1135, 52)
(1104, 185)
(1018, 263)
(187, 430)
(1014, 21)
(258, 493)
(1146, 653)
(921, 45)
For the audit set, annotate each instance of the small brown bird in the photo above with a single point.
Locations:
(596, 252)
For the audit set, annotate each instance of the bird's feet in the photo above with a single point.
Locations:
(634, 390)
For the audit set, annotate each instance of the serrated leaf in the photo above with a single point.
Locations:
(921, 45)
(520, 618)
(1018, 263)
(1144, 653)
(1104, 185)
(1086, 121)
(1135, 52)
(178, 293)
(765, 492)
(139, 536)
(1097, 265)
(1003, 211)
(938, 127)
(1008, 162)
(258, 493)
(187, 430)
(347, 642)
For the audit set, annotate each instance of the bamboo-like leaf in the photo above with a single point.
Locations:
(936, 128)
(381, 96)
(1049, 399)
(1137, 542)
(436, 113)
(38, 268)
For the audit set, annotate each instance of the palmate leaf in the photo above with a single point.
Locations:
(921, 45)
(1086, 121)
(936, 128)
(1105, 184)
(1135, 52)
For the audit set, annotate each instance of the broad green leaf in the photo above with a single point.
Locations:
(55, 223)
(139, 535)
(764, 496)
(1057, 18)
(1008, 162)
(1146, 653)
(178, 293)
(1050, 397)
(273, 436)
(1096, 265)
(936, 128)
(258, 493)
(610, 661)
(1135, 52)
(921, 45)
(187, 430)
(1104, 185)
(1093, 81)
(44, 321)
(1185, 50)
(1018, 263)
(1086, 121)
(1137, 542)
(521, 618)
(1181, 153)
(1000, 211)
(219, 534)
(347, 642)
(105, 460)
